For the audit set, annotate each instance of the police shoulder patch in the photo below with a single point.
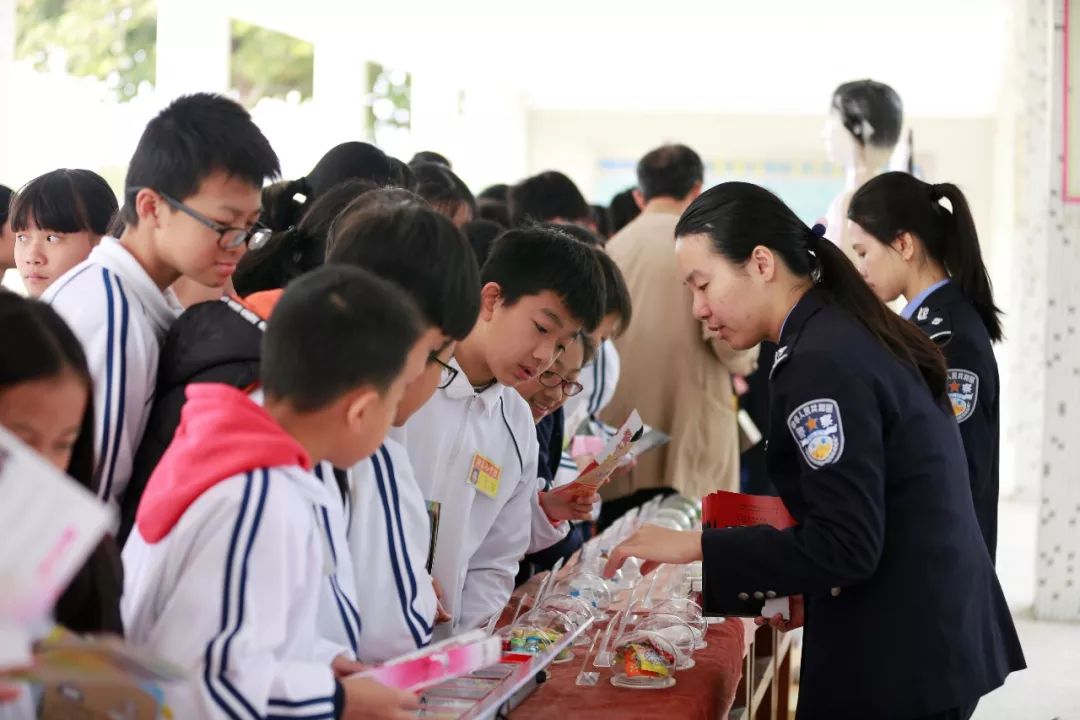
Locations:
(962, 387)
(818, 431)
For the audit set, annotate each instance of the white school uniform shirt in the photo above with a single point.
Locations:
(389, 538)
(227, 595)
(121, 318)
(339, 620)
(599, 379)
(481, 539)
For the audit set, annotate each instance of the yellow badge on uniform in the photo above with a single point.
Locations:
(818, 431)
(484, 475)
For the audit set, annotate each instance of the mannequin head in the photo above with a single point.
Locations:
(865, 119)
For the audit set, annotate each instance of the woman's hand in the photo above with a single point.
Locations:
(798, 616)
(656, 546)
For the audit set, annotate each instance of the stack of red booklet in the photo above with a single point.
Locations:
(727, 509)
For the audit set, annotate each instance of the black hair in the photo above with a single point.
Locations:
(579, 233)
(336, 329)
(623, 209)
(499, 192)
(528, 261)
(669, 171)
(282, 208)
(443, 189)
(738, 217)
(602, 219)
(895, 203)
(546, 197)
(429, 156)
(5, 202)
(419, 250)
(481, 234)
(494, 210)
(870, 108)
(588, 348)
(66, 201)
(401, 175)
(616, 293)
(39, 345)
(195, 136)
(288, 254)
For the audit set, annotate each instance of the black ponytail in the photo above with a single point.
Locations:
(281, 209)
(737, 217)
(894, 203)
(291, 252)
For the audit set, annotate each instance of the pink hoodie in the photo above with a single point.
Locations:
(222, 433)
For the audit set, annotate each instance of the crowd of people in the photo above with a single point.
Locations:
(331, 412)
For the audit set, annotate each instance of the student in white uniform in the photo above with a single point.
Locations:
(227, 552)
(399, 237)
(58, 218)
(191, 200)
(600, 376)
(473, 445)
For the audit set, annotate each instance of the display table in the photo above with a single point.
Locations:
(707, 690)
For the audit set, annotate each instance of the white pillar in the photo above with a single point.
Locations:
(194, 44)
(340, 89)
(7, 59)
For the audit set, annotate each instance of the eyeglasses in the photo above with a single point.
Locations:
(552, 379)
(448, 373)
(229, 238)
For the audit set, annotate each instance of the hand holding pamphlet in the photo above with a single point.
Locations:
(600, 469)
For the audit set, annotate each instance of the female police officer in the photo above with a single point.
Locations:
(904, 615)
(909, 244)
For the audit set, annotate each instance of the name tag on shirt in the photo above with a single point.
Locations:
(484, 476)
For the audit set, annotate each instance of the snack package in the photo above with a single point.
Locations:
(644, 659)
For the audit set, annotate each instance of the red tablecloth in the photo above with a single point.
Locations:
(706, 691)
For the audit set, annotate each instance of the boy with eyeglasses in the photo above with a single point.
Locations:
(192, 199)
(397, 236)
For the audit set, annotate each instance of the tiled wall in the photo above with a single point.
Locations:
(1041, 415)
(1058, 567)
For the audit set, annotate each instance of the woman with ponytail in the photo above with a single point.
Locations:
(908, 243)
(904, 616)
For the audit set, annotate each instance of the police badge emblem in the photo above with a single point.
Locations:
(962, 387)
(818, 431)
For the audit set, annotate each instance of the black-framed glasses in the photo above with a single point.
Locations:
(448, 373)
(552, 379)
(229, 238)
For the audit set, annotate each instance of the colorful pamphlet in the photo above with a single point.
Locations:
(600, 469)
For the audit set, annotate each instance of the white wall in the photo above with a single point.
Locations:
(959, 150)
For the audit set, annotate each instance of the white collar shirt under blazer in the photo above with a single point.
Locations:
(227, 595)
(389, 538)
(120, 317)
(480, 538)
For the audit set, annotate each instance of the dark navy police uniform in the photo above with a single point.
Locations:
(951, 321)
(904, 614)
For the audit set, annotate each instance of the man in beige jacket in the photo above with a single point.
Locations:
(678, 378)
